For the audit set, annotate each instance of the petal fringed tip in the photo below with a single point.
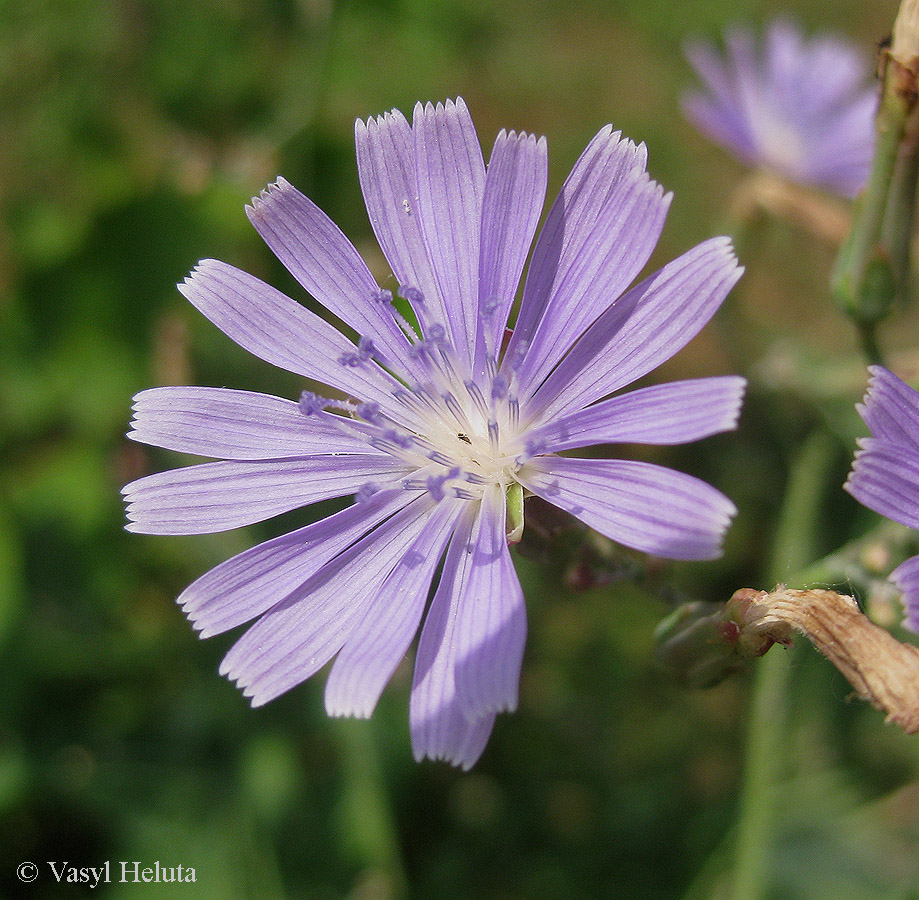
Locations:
(885, 478)
(317, 253)
(297, 637)
(641, 505)
(674, 413)
(217, 496)
(891, 408)
(228, 424)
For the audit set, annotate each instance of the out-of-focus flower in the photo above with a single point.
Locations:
(448, 419)
(795, 106)
(885, 474)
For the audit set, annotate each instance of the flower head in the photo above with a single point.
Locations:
(795, 106)
(885, 474)
(448, 419)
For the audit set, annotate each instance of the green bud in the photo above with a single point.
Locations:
(704, 643)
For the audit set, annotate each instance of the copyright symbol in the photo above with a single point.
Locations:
(27, 872)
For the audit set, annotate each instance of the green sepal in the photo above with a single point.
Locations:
(514, 521)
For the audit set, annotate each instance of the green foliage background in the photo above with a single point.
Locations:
(133, 133)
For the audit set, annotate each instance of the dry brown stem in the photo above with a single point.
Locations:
(824, 216)
(904, 44)
(882, 670)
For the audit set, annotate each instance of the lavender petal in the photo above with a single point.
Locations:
(723, 125)
(297, 637)
(227, 424)
(891, 408)
(641, 505)
(885, 478)
(491, 627)
(842, 158)
(515, 190)
(324, 261)
(280, 331)
(906, 578)
(674, 413)
(643, 329)
(450, 176)
(248, 584)
(439, 728)
(616, 244)
(607, 162)
(713, 72)
(621, 244)
(218, 496)
(386, 166)
(370, 656)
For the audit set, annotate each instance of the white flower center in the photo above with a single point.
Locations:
(483, 447)
(457, 434)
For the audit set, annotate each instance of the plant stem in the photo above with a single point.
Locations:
(873, 265)
(867, 335)
(368, 827)
(795, 545)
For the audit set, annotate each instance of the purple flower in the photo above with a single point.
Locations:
(445, 424)
(797, 107)
(885, 474)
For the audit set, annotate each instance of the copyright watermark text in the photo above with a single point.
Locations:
(121, 871)
(27, 872)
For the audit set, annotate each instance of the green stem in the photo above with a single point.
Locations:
(743, 223)
(367, 823)
(867, 335)
(898, 225)
(768, 716)
(861, 246)
(872, 267)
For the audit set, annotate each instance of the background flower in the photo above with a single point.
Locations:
(797, 106)
(443, 426)
(885, 474)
